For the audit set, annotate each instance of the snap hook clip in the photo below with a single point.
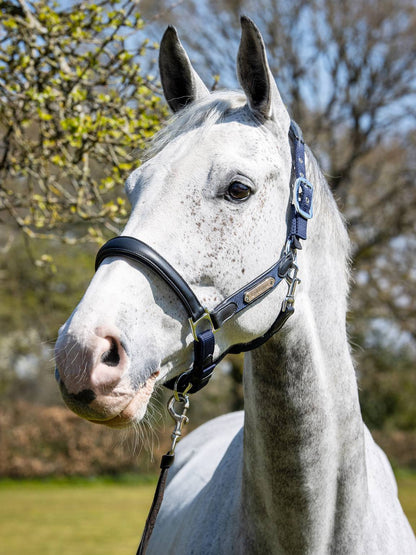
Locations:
(179, 418)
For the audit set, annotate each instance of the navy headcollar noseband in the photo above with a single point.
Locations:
(200, 318)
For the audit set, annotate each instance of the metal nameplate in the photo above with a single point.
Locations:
(259, 290)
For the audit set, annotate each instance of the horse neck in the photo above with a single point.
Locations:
(304, 466)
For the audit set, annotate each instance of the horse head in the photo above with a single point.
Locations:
(212, 198)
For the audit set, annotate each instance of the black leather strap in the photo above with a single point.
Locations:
(274, 328)
(166, 463)
(136, 250)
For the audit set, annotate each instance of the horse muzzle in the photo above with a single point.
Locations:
(94, 379)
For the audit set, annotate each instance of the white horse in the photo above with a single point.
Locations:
(297, 472)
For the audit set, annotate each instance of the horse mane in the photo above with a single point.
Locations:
(331, 220)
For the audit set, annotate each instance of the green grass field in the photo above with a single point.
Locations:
(94, 518)
(72, 518)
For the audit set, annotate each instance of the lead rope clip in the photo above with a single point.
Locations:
(180, 419)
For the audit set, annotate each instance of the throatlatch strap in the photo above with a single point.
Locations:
(275, 327)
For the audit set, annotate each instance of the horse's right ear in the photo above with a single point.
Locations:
(256, 78)
(181, 84)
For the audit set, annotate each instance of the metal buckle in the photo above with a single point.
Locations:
(302, 182)
(206, 316)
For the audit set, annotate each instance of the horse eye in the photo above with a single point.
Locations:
(238, 192)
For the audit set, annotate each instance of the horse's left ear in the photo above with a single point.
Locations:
(181, 83)
(255, 76)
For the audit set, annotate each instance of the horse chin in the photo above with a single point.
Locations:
(135, 410)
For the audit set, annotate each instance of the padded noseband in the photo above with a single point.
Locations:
(136, 250)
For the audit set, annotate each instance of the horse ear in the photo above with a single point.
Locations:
(181, 84)
(255, 76)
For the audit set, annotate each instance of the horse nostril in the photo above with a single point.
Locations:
(111, 357)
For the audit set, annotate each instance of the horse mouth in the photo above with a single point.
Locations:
(135, 409)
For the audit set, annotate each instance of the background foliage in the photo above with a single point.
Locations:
(75, 104)
(79, 99)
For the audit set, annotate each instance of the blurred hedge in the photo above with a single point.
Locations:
(38, 441)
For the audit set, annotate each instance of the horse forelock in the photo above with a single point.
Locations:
(201, 114)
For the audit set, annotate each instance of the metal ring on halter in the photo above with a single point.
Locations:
(288, 247)
(177, 394)
(194, 323)
(302, 183)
